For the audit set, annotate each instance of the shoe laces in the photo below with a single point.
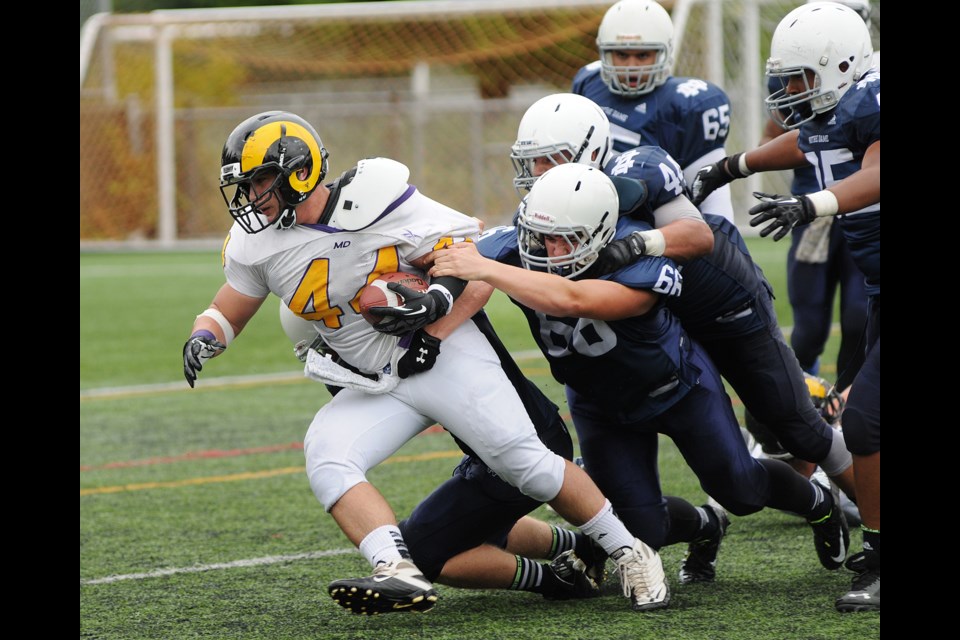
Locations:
(385, 569)
(636, 573)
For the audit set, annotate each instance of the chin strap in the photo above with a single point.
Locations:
(287, 219)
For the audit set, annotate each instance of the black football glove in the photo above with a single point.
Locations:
(201, 346)
(421, 355)
(713, 176)
(619, 253)
(785, 213)
(419, 309)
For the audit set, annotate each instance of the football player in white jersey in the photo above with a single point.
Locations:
(316, 247)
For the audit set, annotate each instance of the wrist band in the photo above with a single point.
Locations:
(824, 203)
(654, 242)
(225, 326)
(442, 290)
(742, 165)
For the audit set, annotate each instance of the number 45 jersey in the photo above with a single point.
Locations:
(835, 144)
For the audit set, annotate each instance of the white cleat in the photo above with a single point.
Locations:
(642, 578)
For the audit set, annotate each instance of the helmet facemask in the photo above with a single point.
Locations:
(524, 158)
(620, 79)
(791, 111)
(249, 213)
(583, 243)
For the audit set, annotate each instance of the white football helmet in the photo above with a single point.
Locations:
(575, 204)
(862, 7)
(827, 38)
(635, 25)
(562, 124)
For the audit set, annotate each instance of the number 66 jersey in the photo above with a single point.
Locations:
(318, 271)
(640, 365)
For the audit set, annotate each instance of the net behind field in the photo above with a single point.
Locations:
(437, 85)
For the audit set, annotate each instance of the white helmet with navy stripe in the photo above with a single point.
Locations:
(576, 206)
(825, 44)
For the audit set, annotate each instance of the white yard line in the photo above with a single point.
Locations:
(236, 564)
(225, 381)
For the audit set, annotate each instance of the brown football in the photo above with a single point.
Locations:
(376, 294)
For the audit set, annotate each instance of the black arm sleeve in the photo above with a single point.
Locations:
(452, 284)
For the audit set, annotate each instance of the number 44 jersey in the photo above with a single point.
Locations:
(318, 271)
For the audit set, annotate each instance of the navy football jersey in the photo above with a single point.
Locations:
(835, 144)
(687, 117)
(638, 365)
(804, 178)
(718, 289)
(657, 168)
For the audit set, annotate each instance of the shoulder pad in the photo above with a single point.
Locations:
(376, 184)
(632, 193)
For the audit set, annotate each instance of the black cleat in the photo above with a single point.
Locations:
(700, 565)
(398, 586)
(831, 536)
(864, 594)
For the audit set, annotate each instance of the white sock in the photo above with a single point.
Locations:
(607, 530)
(384, 544)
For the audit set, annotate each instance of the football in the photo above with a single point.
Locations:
(376, 294)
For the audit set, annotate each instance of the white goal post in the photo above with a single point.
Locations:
(439, 85)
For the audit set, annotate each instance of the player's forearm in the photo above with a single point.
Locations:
(465, 306)
(687, 239)
(228, 314)
(778, 154)
(862, 188)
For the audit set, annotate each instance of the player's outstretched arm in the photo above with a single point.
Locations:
(546, 292)
(215, 328)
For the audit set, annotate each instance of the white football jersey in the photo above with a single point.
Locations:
(319, 271)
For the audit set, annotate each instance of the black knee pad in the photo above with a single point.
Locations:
(860, 432)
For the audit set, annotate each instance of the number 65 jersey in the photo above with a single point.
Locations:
(318, 271)
(688, 117)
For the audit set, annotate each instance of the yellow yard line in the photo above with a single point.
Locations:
(249, 475)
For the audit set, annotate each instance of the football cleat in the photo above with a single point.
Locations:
(573, 574)
(864, 594)
(857, 562)
(831, 535)
(641, 576)
(700, 565)
(397, 586)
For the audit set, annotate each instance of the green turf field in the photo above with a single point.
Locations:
(197, 521)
